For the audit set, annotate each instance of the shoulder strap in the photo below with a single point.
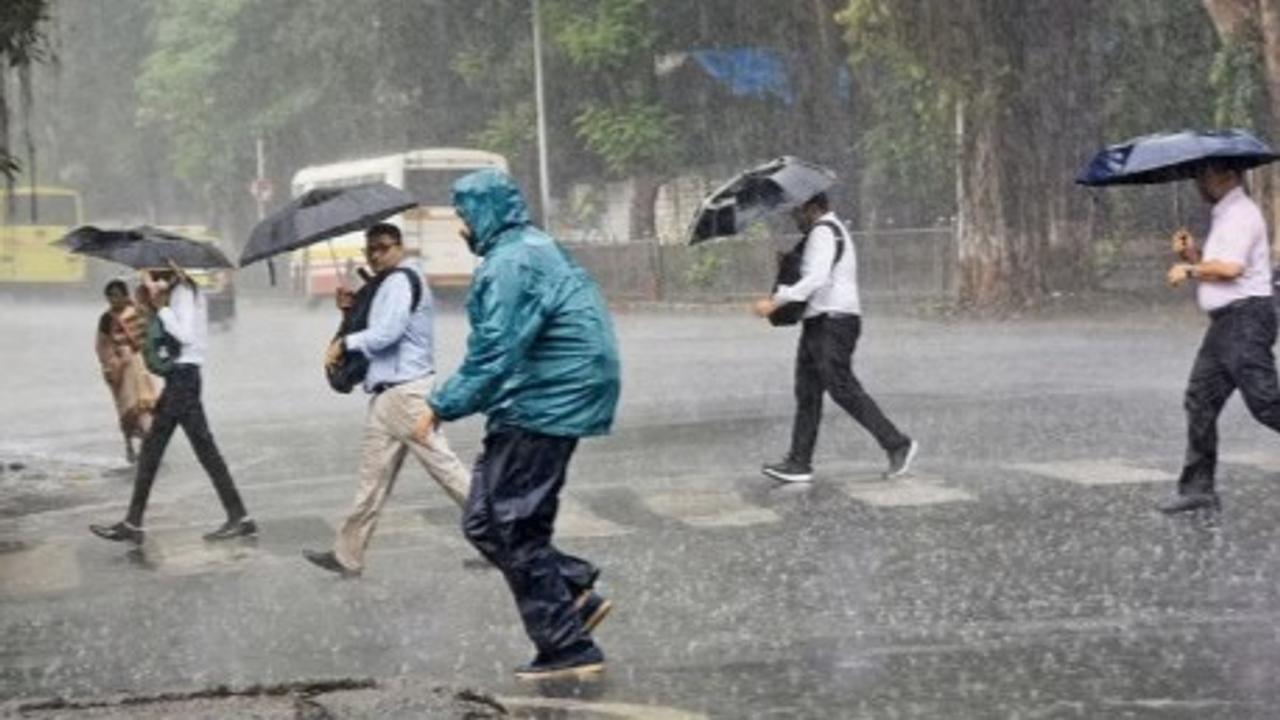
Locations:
(415, 286)
(840, 238)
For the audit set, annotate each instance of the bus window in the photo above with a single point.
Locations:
(49, 210)
(432, 187)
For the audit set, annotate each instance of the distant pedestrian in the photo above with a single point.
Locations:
(1233, 274)
(118, 344)
(399, 346)
(542, 364)
(832, 323)
(183, 313)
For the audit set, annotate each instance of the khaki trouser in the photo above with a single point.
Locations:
(388, 437)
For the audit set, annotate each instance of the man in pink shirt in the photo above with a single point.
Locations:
(1233, 275)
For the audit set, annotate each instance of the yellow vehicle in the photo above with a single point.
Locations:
(30, 222)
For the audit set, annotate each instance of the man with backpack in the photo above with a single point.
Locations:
(397, 342)
(825, 299)
(177, 336)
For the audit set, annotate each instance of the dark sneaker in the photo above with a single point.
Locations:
(592, 609)
(120, 532)
(231, 529)
(1189, 503)
(582, 666)
(329, 561)
(789, 471)
(900, 460)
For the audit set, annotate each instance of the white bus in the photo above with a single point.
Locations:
(430, 230)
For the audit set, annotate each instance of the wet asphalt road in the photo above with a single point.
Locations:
(1021, 572)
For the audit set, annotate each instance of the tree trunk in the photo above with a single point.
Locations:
(1230, 17)
(984, 265)
(644, 198)
(1269, 190)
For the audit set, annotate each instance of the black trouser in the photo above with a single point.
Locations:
(509, 517)
(824, 363)
(1235, 353)
(180, 404)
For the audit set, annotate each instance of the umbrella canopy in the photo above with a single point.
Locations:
(776, 186)
(1167, 157)
(144, 247)
(321, 214)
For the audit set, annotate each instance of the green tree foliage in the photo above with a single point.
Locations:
(629, 137)
(1028, 88)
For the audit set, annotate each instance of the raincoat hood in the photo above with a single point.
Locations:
(490, 203)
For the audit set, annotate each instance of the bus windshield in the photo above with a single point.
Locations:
(48, 210)
(431, 187)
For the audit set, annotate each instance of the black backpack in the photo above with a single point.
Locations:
(789, 264)
(351, 369)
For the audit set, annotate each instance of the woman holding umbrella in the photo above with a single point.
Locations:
(183, 312)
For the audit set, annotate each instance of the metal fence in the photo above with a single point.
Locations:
(910, 265)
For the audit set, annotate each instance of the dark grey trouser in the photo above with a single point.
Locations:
(180, 405)
(509, 517)
(1235, 353)
(824, 363)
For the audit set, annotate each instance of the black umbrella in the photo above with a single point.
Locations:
(144, 247)
(323, 213)
(776, 186)
(1168, 157)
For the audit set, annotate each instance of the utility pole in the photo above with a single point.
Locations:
(260, 197)
(262, 174)
(544, 175)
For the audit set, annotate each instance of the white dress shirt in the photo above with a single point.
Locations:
(826, 289)
(1238, 234)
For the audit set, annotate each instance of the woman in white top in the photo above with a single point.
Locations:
(182, 310)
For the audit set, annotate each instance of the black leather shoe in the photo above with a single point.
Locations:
(1190, 503)
(120, 532)
(242, 527)
(329, 561)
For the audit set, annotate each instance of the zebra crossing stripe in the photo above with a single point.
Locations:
(708, 508)
(1261, 459)
(914, 490)
(1111, 471)
(183, 552)
(407, 521)
(575, 520)
(46, 568)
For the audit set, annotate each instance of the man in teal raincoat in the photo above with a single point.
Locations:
(542, 364)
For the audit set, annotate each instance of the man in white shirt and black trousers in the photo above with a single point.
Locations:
(824, 362)
(1233, 274)
(185, 316)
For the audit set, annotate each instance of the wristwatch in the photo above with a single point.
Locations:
(1191, 272)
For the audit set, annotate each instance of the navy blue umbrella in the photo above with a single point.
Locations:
(1168, 157)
